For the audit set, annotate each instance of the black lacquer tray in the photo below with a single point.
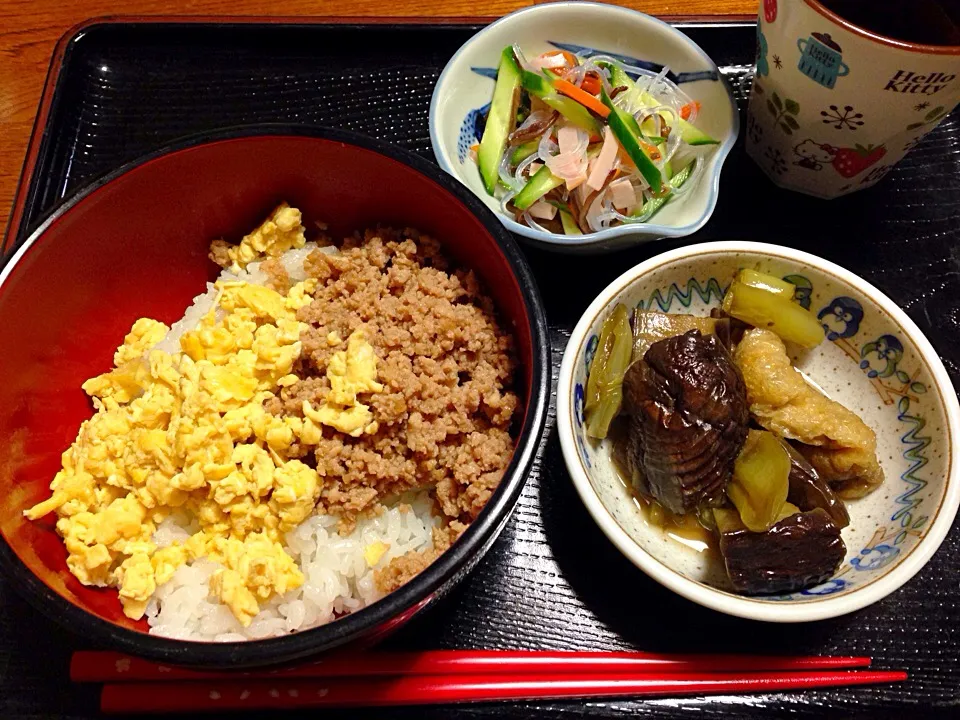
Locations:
(118, 90)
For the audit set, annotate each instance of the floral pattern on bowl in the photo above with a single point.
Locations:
(875, 362)
(463, 92)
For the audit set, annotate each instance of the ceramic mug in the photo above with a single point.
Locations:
(834, 107)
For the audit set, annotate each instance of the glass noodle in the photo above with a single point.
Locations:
(594, 185)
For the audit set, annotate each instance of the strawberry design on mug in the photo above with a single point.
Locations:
(770, 10)
(850, 162)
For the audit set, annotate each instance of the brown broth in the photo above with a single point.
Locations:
(929, 22)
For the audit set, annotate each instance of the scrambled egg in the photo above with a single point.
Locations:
(282, 231)
(351, 371)
(189, 431)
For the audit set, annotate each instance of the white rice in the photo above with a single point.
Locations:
(337, 578)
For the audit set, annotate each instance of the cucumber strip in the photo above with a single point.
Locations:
(501, 120)
(522, 152)
(539, 185)
(682, 175)
(541, 87)
(573, 111)
(535, 83)
(627, 133)
(689, 133)
(569, 226)
(654, 204)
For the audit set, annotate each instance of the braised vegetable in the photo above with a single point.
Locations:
(841, 447)
(760, 480)
(770, 283)
(798, 552)
(650, 326)
(768, 310)
(501, 119)
(605, 383)
(808, 491)
(727, 520)
(688, 420)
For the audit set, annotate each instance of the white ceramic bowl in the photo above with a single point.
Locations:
(465, 87)
(875, 361)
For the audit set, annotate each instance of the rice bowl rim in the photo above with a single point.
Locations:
(400, 605)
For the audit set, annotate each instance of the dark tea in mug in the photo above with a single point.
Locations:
(928, 22)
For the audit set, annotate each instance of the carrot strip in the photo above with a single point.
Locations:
(585, 99)
(688, 108)
(590, 84)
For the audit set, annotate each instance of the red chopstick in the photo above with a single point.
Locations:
(279, 694)
(101, 667)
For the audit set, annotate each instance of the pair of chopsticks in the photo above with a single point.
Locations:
(373, 679)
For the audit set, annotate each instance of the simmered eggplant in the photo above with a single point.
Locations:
(688, 420)
(808, 491)
(798, 552)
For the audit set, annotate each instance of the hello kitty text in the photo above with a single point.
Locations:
(913, 84)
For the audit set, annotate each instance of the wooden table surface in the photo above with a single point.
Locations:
(29, 30)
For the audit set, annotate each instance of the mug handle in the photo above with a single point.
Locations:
(801, 44)
(843, 70)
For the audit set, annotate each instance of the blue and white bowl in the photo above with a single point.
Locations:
(463, 92)
(874, 361)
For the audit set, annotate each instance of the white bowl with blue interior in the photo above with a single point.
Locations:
(462, 97)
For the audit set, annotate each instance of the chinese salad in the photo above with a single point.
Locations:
(575, 145)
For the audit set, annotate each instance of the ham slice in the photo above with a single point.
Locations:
(593, 211)
(603, 165)
(543, 210)
(570, 164)
(622, 194)
(548, 61)
(568, 139)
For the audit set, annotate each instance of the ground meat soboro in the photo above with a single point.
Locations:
(445, 411)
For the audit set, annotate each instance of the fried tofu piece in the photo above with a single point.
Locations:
(838, 444)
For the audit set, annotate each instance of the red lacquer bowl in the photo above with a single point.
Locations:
(135, 244)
